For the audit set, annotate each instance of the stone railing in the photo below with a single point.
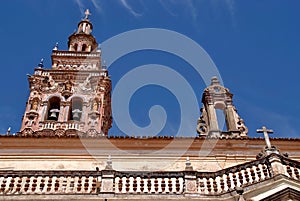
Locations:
(155, 183)
(53, 125)
(231, 178)
(291, 168)
(48, 183)
(76, 54)
(179, 183)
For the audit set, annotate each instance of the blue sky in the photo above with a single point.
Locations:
(254, 44)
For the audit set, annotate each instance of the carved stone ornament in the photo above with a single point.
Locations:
(202, 126)
(191, 186)
(92, 133)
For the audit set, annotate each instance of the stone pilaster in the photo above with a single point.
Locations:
(276, 165)
(107, 182)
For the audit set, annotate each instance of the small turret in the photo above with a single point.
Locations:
(218, 107)
(82, 40)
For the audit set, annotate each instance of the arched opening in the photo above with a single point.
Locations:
(221, 116)
(84, 47)
(53, 108)
(75, 111)
(75, 46)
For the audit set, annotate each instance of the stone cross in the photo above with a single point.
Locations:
(87, 13)
(266, 132)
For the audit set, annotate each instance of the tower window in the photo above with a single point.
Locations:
(75, 111)
(220, 108)
(53, 108)
(84, 47)
(75, 47)
(221, 118)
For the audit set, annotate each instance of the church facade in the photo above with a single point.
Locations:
(63, 150)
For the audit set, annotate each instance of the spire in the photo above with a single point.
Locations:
(214, 81)
(85, 26)
(56, 46)
(87, 13)
(82, 40)
(41, 64)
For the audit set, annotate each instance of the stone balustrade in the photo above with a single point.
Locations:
(76, 54)
(51, 183)
(157, 183)
(291, 169)
(232, 178)
(146, 184)
(53, 125)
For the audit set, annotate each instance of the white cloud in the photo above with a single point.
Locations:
(192, 8)
(96, 4)
(81, 6)
(230, 6)
(129, 8)
(165, 4)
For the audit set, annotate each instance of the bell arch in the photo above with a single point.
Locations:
(53, 108)
(219, 115)
(75, 109)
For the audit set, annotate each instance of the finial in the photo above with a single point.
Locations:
(109, 163)
(215, 81)
(104, 67)
(8, 131)
(56, 46)
(188, 164)
(87, 13)
(41, 64)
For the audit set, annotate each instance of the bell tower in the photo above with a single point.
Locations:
(218, 107)
(74, 96)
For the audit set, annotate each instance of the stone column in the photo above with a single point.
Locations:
(230, 118)
(213, 122)
(44, 111)
(84, 115)
(62, 112)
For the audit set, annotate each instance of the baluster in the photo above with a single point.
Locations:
(265, 171)
(222, 184)
(152, 185)
(156, 185)
(159, 185)
(149, 185)
(181, 184)
(142, 185)
(215, 186)
(296, 172)
(209, 186)
(163, 185)
(170, 185)
(226, 187)
(127, 184)
(240, 178)
(258, 171)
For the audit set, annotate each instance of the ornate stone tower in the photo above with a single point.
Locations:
(72, 98)
(216, 100)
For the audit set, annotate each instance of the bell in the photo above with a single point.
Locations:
(53, 114)
(76, 114)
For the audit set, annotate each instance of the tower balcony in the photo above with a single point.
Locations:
(55, 125)
(66, 53)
